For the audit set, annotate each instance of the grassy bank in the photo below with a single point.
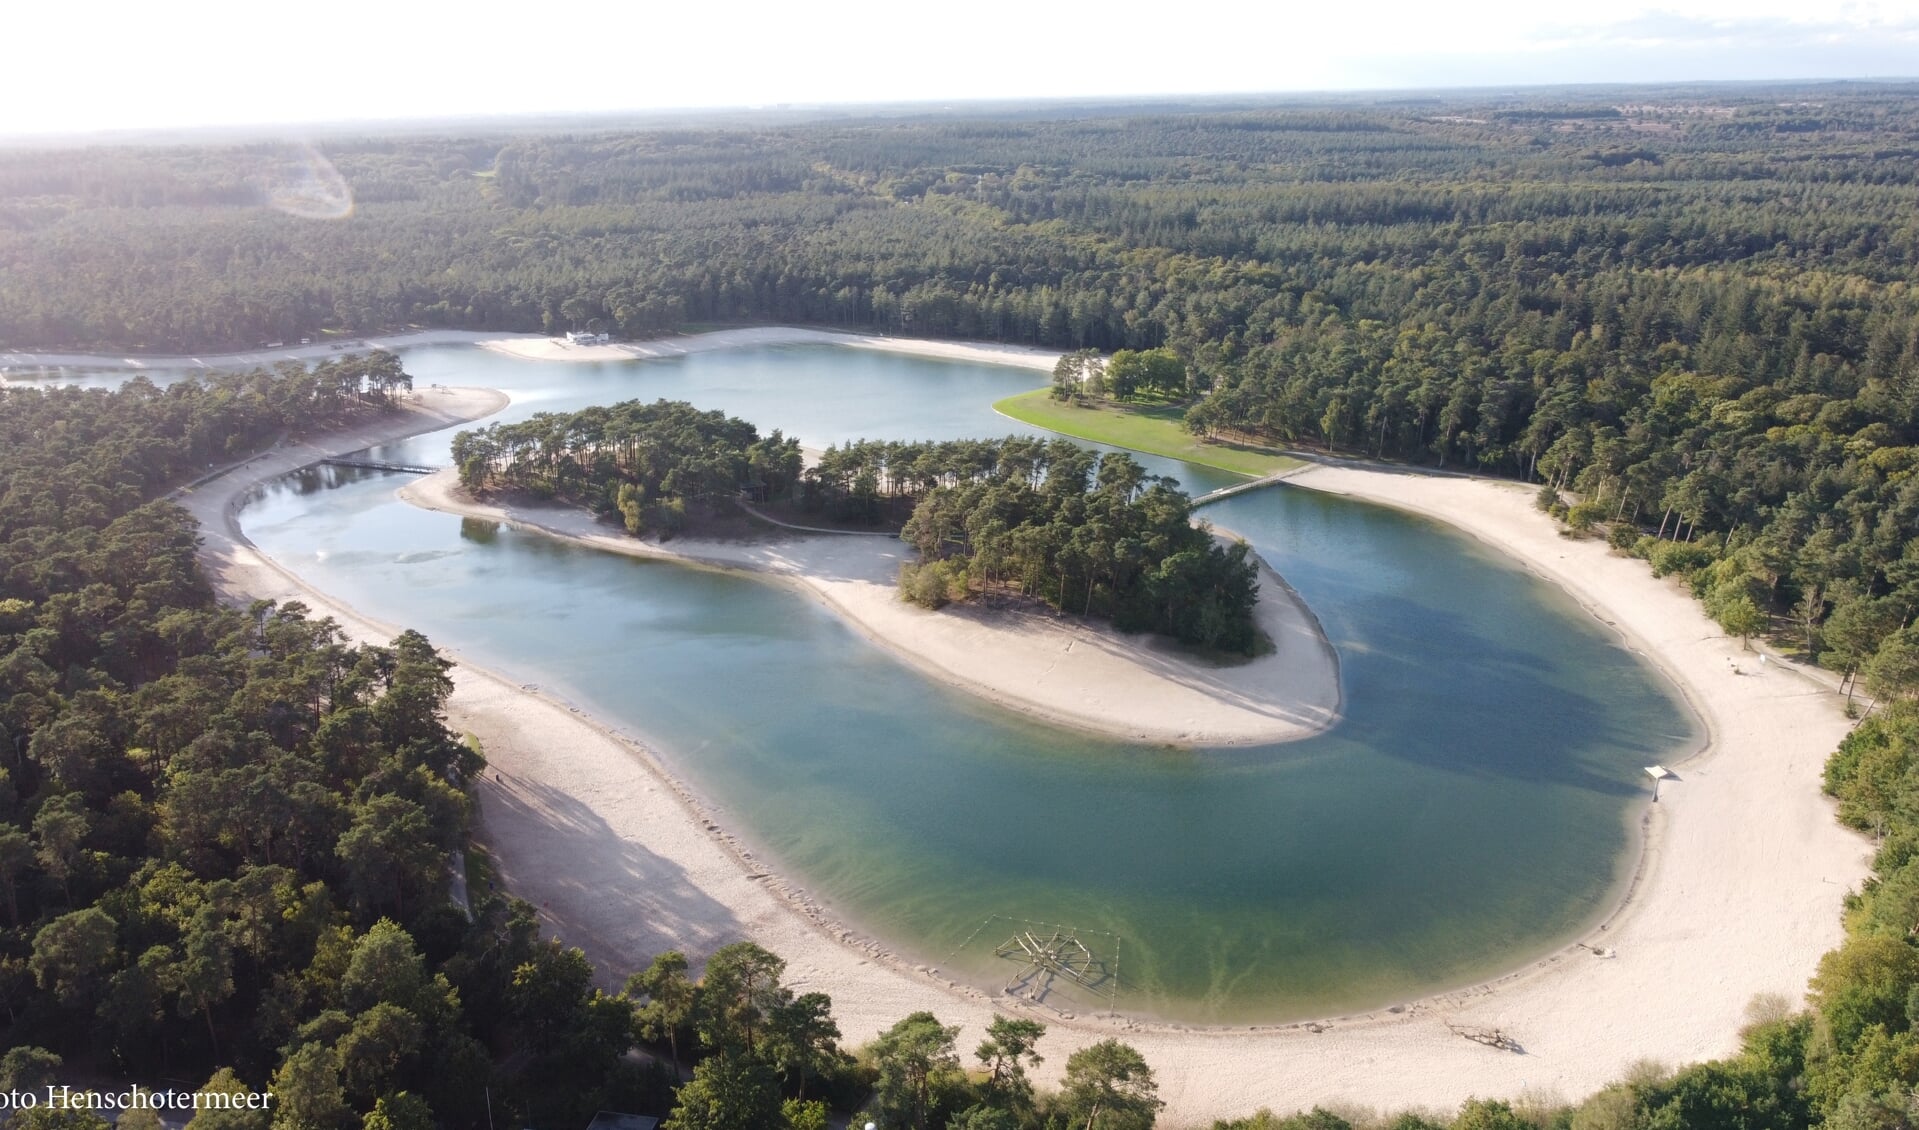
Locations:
(1155, 430)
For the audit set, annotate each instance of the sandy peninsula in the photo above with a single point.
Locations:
(1737, 893)
(1065, 670)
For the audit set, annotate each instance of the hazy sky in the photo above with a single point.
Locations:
(135, 63)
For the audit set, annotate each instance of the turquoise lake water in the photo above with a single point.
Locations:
(1473, 808)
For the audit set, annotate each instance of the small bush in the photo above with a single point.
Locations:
(933, 584)
(631, 506)
(923, 586)
(1583, 516)
(668, 518)
(1623, 536)
(1679, 557)
(807, 1115)
(1739, 615)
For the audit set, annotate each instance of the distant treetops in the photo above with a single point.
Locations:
(1090, 535)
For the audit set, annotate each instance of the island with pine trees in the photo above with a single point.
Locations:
(1047, 578)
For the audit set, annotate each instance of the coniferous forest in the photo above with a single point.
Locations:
(1090, 536)
(229, 839)
(1690, 308)
(1687, 314)
(226, 834)
(641, 462)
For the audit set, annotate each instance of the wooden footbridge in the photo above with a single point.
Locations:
(379, 465)
(1262, 483)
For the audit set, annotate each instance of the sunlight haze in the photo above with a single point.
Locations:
(150, 66)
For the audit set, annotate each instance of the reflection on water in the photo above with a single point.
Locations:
(1469, 811)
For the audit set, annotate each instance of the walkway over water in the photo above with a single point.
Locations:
(1212, 496)
(378, 465)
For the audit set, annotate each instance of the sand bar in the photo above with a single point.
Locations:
(1738, 892)
(1066, 670)
(538, 347)
(559, 349)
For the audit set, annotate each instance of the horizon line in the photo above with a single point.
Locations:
(809, 111)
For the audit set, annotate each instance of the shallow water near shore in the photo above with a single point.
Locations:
(1473, 807)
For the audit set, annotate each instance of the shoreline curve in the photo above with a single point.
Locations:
(1063, 670)
(1564, 1006)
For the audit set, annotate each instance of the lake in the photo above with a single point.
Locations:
(1475, 808)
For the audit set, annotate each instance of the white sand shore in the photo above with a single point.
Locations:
(1068, 671)
(559, 349)
(26, 365)
(1738, 893)
(537, 347)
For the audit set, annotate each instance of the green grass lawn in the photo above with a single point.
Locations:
(1156, 430)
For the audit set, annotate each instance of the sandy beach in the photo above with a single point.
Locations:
(559, 349)
(1737, 893)
(26, 365)
(240, 573)
(538, 347)
(1068, 671)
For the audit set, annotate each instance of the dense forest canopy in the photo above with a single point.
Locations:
(227, 838)
(643, 462)
(1213, 231)
(1090, 535)
(223, 832)
(1692, 307)
(210, 818)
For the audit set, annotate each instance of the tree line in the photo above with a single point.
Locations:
(1149, 374)
(1111, 231)
(213, 821)
(761, 1048)
(1689, 306)
(642, 462)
